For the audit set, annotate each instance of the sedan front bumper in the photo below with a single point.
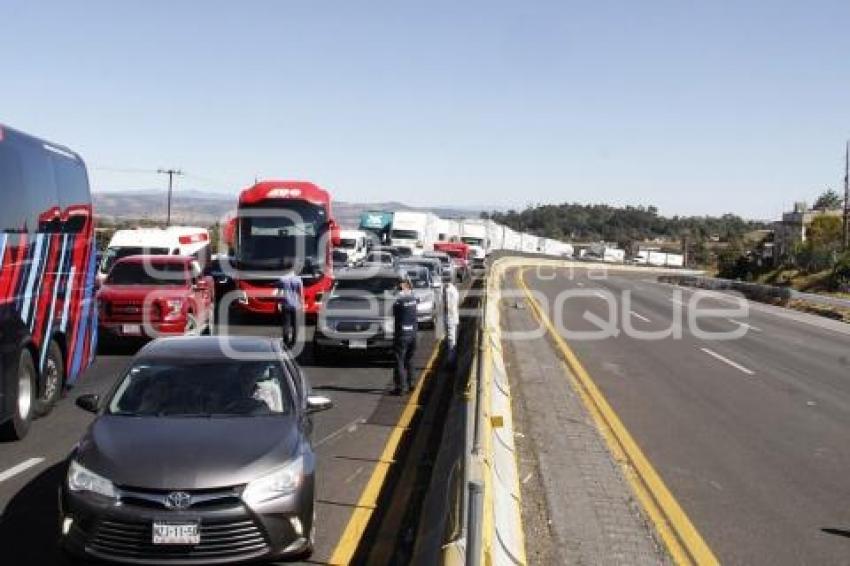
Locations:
(231, 532)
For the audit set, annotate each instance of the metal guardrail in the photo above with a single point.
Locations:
(489, 503)
(757, 291)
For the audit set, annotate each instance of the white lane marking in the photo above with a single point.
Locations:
(639, 316)
(676, 301)
(350, 427)
(579, 283)
(18, 468)
(600, 295)
(726, 360)
(744, 325)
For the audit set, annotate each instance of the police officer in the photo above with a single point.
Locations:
(404, 337)
(290, 291)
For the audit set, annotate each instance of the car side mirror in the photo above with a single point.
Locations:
(89, 402)
(318, 403)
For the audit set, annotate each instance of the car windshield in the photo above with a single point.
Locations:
(373, 285)
(418, 276)
(349, 243)
(380, 257)
(148, 273)
(405, 234)
(111, 255)
(226, 388)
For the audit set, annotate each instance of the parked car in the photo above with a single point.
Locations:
(191, 241)
(380, 259)
(426, 296)
(435, 268)
(149, 296)
(195, 457)
(461, 255)
(358, 314)
(446, 263)
(220, 268)
(354, 244)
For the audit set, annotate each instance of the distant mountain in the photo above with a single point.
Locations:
(205, 208)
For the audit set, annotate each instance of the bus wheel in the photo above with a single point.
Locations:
(24, 392)
(52, 379)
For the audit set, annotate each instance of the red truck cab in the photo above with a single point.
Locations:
(153, 295)
(461, 255)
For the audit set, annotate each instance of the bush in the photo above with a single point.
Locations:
(841, 274)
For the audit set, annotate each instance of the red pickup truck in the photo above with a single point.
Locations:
(153, 295)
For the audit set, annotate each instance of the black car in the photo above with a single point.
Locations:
(221, 269)
(200, 454)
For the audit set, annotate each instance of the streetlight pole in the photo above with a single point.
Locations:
(171, 173)
(846, 215)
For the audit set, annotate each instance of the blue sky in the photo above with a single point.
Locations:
(697, 107)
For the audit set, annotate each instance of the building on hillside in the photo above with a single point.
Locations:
(793, 227)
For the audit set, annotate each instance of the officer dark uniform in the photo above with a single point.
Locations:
(404, 338)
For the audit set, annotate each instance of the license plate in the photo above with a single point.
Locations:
(357, 344)
(134, 329)
(176, 533)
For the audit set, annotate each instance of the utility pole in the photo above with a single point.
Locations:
(171, 173)
(846, 215)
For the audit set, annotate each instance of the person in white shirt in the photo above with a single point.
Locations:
(451, 318)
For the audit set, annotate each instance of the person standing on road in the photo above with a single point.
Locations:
(404, 337)
(290, 291)
(451, 319)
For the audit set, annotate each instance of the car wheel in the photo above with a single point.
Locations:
(24, 392)
(52, 379)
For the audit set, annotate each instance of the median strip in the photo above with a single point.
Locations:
(684, 543)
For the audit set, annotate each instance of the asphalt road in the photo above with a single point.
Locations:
(750, 434)
(348, 440)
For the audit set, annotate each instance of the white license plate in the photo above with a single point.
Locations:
(133, 329)
(176, 533)
(357, 344)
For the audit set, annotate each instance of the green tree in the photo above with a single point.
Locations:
(829, 200)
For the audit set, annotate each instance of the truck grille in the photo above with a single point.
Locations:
(123, 539)
(131, 310)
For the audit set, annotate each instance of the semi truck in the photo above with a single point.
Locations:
(377, 224)
(414, 231)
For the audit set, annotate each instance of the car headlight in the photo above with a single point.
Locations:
(282, 481)
(174, 306)
(83, 479)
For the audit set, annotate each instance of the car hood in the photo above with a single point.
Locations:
(184, 453)
(375, 306)
(424, 294)
(113, 292)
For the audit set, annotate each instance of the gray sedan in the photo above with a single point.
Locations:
(199, 455)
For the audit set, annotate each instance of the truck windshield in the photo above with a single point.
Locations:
(469, 240)
(405, 234)
(148, 273)
(347, 243)
(113, 254)
(271, 236)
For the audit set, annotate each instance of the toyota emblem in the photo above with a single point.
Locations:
(178, 500)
